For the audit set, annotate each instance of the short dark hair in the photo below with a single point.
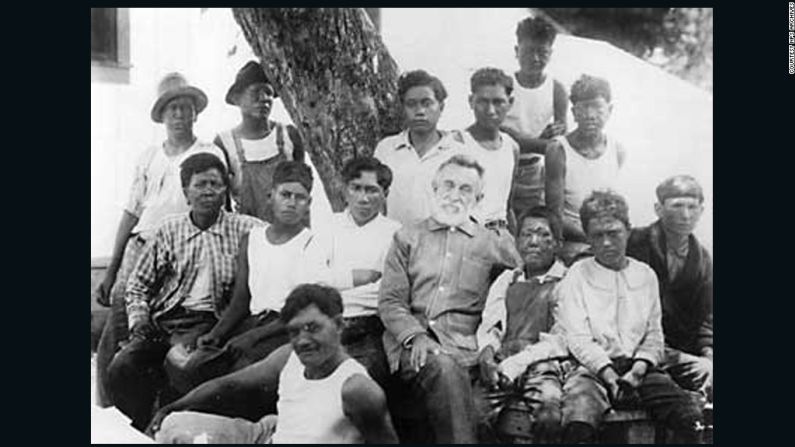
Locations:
(679, 186)
(589, 87)
(353, 169)
(542, 212)
(491, 76)
(604, 203)
(327, 300)
(418, 78)
(536, 28)
(293, 171)
(199, 163)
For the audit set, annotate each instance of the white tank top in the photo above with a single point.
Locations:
(533, 108)
(310, 411)
(497, 176)
(584, 175)
(273, 270)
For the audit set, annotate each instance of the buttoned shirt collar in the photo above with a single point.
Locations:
(216, 228)
(443, 144)
(555, 272)
(468, 227)
(348, 221)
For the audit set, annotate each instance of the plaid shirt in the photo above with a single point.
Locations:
(168, 266)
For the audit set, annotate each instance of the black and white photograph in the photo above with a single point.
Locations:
(402, 225)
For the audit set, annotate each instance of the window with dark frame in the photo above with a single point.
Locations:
(104, 35)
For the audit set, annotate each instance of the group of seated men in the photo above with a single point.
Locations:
(233, 320)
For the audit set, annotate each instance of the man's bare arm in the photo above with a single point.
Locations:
(260, 378)
(126, 225)
(238, 307)
(364, 403)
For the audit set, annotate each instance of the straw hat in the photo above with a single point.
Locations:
(172, 86)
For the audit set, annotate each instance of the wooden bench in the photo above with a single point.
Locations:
(637, 427)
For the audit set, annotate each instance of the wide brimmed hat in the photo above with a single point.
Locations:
(251, 73)
(174, 85)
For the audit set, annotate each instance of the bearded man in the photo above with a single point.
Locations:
(433, 291)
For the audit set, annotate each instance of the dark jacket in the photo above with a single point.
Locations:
(687, 300)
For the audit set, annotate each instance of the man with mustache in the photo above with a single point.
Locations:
(178, 288)
(582, 161)
(155, 193)
(520, 342)
(325, 396)
(611, 315)
(415, 154)
(433, 291)
(684, 268)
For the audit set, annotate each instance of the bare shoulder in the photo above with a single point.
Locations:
(360, 393)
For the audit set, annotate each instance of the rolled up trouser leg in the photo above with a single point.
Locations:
(585, 402)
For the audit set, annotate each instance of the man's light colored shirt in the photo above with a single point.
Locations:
(348, 246)
(410, 196)
(435, 281)
(156, 191)
(608, 314)
(167, 269)
(498, 166)
(275, 270)
(495, 317)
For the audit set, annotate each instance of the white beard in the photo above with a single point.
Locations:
(452, 220)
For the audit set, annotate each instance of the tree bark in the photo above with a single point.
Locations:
(335, 78)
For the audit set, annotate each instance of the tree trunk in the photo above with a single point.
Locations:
(335, 78)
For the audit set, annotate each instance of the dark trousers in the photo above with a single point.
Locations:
(585, 400)
(361, 338)
(136, 375)
(115, 330)
(444, 389)
(529, 409)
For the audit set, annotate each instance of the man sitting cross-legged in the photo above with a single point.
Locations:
(178, 287)
(518, 338)
(325, 396)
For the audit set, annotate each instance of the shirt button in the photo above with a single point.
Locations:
(441, 288)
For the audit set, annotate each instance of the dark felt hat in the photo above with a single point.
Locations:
(172, 86)
(251, 73)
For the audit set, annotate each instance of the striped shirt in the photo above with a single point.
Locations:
(168, 267)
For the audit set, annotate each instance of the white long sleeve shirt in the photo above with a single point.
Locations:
(346, 246)
(608, 314)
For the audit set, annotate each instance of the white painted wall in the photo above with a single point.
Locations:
(665, 123)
